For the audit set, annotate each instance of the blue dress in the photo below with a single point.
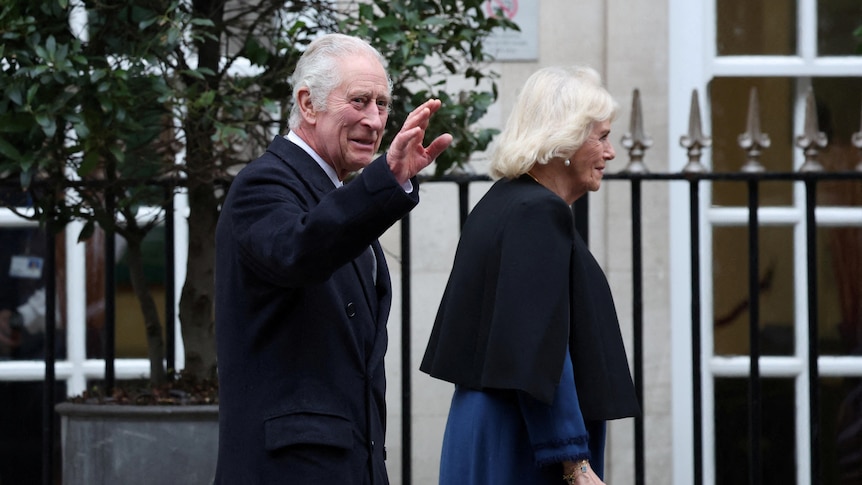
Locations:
(508, 437)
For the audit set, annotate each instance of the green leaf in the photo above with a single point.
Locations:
(8, 150)
(31, 93)
(88, 163)
(201, 22)
(118, 153)
(51, 47)
(87, 231)
(15, 96)
(143, 24)
(47, 123)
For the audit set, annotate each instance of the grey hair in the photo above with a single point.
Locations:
(552, 117)
(318, 69)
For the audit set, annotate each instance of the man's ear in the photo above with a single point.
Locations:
(306, 107)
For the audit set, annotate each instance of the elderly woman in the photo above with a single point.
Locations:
(527, 329)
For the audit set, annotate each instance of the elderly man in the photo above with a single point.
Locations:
(302, 287)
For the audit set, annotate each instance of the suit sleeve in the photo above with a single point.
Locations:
(292, 236)
(557, 431)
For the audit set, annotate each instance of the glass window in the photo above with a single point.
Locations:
(775, 289)
(729, 99)
(777, 437)
(840, 290)
(836, 22)
(755, 28)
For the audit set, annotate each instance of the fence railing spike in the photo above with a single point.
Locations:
(812, 139)
(694, 141)
(753, 141)
(635, 141)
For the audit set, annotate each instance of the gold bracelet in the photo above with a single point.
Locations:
(580, 470)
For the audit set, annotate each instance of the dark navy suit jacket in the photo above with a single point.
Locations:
(300, 323)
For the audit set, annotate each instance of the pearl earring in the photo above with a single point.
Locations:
(567, 163)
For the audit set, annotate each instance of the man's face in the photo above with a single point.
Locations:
(348, 134)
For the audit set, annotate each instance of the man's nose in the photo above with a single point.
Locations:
(373, 117)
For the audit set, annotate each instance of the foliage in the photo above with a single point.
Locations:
(92, 128)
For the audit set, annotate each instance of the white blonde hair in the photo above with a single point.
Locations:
(552, 118)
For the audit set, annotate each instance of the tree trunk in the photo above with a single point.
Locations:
(155, 339)
(197, 299)
(196, 302)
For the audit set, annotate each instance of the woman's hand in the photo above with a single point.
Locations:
(581, 477)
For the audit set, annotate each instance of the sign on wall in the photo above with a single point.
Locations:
(510, 45)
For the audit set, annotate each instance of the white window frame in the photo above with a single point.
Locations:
(76, 368)
(693, 63)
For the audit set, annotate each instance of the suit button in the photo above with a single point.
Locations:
(351, 309)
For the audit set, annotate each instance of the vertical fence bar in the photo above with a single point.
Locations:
(170, 285)
(637, 326)
(754, 394)
(813, 352)
(406, 380)
(696, 384)
(110, 297)
(48, 387)
(463, 202)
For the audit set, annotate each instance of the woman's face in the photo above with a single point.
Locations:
(588, 163)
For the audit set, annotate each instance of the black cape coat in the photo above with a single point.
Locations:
(300, 324)
(522, 287)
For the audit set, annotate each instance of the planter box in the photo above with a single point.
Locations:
(111, 444)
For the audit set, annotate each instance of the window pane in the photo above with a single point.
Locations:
(777, 437)
(131, 328)
(839, 109)
(840, 421)
(840, 290)
(756, 28)
(836, 22)
(731, 294)
(23, 276)
(729, 99)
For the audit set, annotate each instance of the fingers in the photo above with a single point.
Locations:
(405, 139)
(422, 114)
(439, 144)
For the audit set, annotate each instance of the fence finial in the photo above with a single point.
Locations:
(857, 142)
(635, 140)
(812, 140)
(694, 141)
(753, 141)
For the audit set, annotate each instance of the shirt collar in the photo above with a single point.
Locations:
(330, 172)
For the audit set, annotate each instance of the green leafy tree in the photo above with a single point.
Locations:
(93, 127)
